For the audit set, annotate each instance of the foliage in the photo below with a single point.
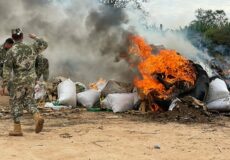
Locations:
(208, 19)
(212, 26)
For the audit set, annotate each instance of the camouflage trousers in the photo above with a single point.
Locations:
(10, 88)
(22, 98)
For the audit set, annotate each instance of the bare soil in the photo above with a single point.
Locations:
(81, 135)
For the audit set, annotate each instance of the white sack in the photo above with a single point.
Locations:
(119, 102)
(67, 93)
(217, 90)
(88, 98)
(220, 104)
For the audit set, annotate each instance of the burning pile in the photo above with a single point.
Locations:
(167, 81)
(163, 74)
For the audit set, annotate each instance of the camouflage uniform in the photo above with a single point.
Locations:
(21, 59)
(42, 67)
(2, 58)
(3, 52)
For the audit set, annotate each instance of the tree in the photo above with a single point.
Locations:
(213, 28)
(220, 35)
(123, 3)
(206, 19)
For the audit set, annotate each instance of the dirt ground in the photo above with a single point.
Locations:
(82, 135)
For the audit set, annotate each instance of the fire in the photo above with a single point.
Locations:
(160, 73)
(96, 85)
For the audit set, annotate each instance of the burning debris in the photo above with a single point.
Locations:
(164, 75)
(164, 78)
(161, 76)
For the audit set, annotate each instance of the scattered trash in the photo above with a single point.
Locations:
(56, 106)
(40, 90)
(157, 146)
(65, 135)
(174, 104)
(88, 98)
(67, 93)
(191, 101)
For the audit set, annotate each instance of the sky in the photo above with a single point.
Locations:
(176, 13)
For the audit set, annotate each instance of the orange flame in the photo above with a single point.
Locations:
(169, 63)
(95, 85)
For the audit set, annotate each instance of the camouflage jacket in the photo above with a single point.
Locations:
(3, 52)
(21, 60)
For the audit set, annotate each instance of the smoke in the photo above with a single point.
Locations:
(177, 40)
(84, 36)
(105, 26)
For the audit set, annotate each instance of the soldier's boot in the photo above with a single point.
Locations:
(39, 121)
(17, 131)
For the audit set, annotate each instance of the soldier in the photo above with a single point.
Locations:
(42, 67)
(3, 49)
(21, 59)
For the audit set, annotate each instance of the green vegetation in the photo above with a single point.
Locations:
(212, 25)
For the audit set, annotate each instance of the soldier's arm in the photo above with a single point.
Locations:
(40, 44)
(7, 68)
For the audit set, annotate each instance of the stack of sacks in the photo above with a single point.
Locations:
(89, 98)
(118, 96)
